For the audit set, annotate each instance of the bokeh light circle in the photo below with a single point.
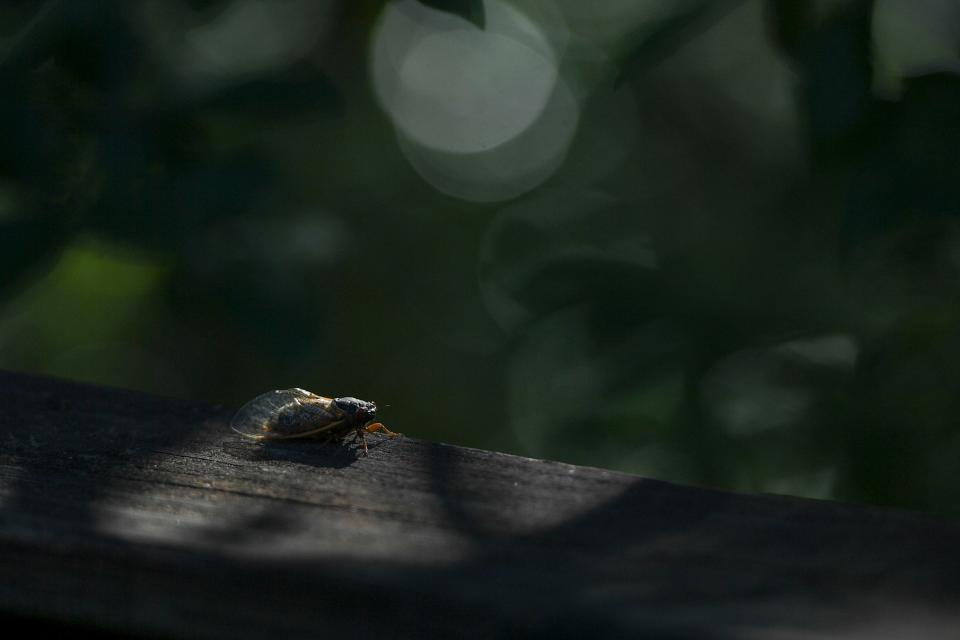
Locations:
(482, 115)
(470, 91)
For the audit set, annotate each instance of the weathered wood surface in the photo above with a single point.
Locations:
(143, 515)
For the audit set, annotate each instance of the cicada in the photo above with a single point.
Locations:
(296, 413)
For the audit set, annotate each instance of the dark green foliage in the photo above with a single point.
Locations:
(829, 45)
(299, 90)
(743, 273)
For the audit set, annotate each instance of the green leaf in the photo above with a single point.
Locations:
(470, 10)
(652, 40)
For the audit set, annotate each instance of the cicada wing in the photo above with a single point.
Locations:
(285, 413)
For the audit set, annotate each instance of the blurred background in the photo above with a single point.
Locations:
(707, 241)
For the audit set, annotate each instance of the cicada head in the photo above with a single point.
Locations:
(359, 412)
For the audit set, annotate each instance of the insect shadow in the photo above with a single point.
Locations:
(331, 454)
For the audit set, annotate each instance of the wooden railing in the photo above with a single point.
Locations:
(127, 513)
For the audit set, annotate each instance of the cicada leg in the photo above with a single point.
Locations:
(379, 426)
(360, 435)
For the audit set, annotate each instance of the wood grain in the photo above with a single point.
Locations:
(127, 513)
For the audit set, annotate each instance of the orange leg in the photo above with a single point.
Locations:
(360, 435)
(379, 426)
